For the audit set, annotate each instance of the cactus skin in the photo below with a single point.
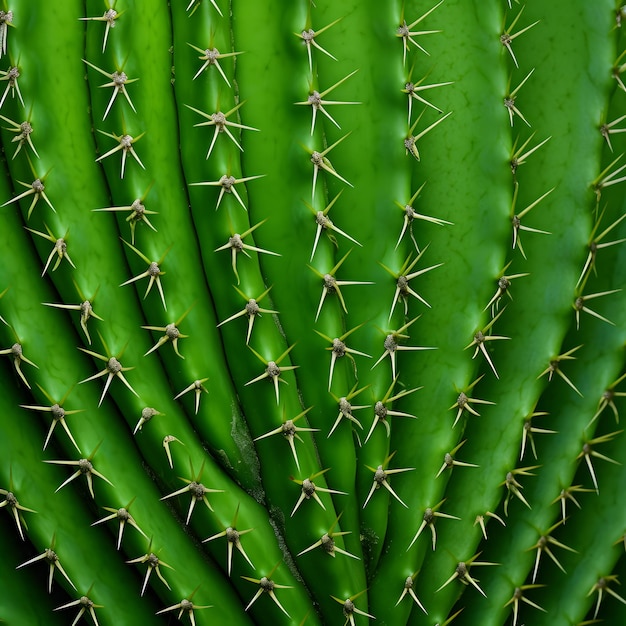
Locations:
(466, 188)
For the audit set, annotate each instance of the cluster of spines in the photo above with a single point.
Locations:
(398, 334)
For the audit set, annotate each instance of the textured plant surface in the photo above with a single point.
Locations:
(312, 312)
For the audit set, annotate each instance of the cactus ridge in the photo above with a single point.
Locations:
(312, 313)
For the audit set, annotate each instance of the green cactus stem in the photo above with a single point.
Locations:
(312, 312)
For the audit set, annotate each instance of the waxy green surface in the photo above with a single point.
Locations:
(457, 176)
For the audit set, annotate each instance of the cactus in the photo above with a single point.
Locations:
(312, 312)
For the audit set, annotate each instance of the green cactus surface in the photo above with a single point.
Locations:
(312, 312)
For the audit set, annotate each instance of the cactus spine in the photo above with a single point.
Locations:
(261, 362)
